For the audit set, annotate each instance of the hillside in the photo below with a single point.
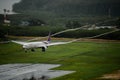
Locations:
(69, 7)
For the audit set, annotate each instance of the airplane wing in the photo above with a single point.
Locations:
(56, 43)
(19, 42)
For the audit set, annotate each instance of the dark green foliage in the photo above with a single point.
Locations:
(73, 24)
(1, 19)
(118, 23)
(44, 30)
(69, 7)
(30, 30)
(3, 31)
(109, 22)
(60, 12)
(90, 33)
(36, 22)
(20, 19)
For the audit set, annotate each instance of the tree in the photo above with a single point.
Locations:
(1, 19)
(76, 24)
(118, 23)
(73, 24)
(69, 24)
(36, 22)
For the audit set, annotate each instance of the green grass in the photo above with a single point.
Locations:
(89, 59)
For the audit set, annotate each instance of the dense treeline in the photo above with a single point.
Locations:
(43, 31)
(28, 31)
(69, 7)
(69, 22)
(90, 33)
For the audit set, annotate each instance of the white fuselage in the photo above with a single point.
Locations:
(35, 45)
(41, 44)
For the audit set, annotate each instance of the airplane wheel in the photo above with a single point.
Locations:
(43, 49)
(32, 50)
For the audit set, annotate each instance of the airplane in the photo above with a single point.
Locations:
(38, 44)
(44, 44)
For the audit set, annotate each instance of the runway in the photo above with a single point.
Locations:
(26, 71)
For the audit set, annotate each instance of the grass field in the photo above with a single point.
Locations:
(89, 59)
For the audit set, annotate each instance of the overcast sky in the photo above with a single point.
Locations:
(7, 4)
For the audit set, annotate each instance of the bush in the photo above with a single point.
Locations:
(44, 30)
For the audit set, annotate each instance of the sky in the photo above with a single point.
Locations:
(7, 4)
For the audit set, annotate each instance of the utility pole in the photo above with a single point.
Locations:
(5, 14)
(6, 21)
